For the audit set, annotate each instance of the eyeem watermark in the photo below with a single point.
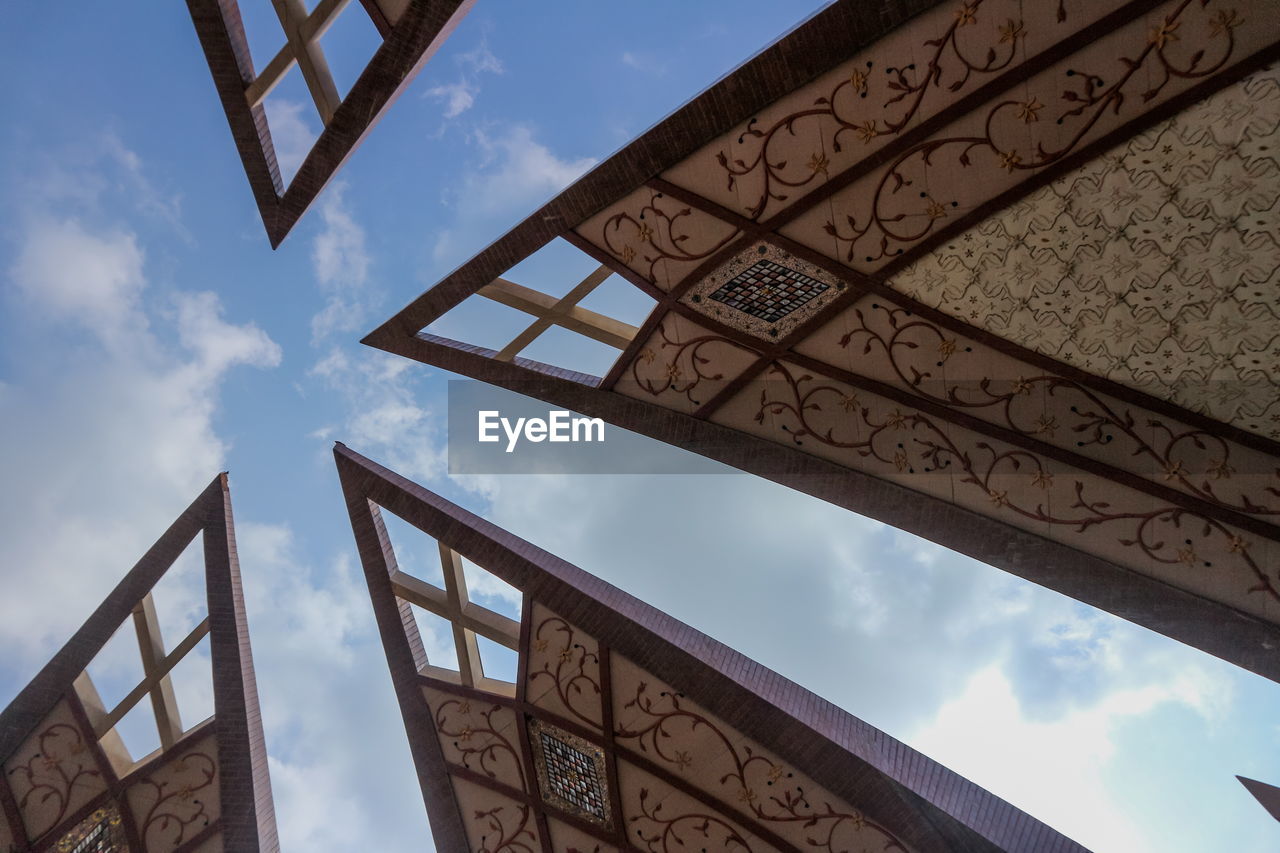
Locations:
(496, 430)
(559, 426)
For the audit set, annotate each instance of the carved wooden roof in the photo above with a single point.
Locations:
(626, 730)
(1004, 275)
(411, 30)
(69, 781)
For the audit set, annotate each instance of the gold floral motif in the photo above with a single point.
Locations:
(858, 81)
(1174, 471)
(1045, 425)
(1011, 31)
(1042, 479)
(746, 795)
(967, 14)
(1009, 160)
(673, 371)
(1236, 544)
(935, 210)
(1165, 33)
(947, 348)
(867, 130)
(900, 460)
(1224, 22)
(1029, 111)
(682, 759)
(997, 497)
(818, 163)
(849, 402)
(1220, 470)
(1187, 555)
(628, 254)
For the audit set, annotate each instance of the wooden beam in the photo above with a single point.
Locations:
(163, 701)
(311, 62)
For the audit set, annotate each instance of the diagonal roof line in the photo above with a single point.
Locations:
(416, 35)
(807, 51)
(847, 756)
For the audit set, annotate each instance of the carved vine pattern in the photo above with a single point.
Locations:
(673, 376)
(44, 771)
(509, 840)
(659, 234)
(176, 797)
(910, 87)
(978, 468)
(569, 676)
(719, 834)
(1090, 98)
(482, 746)
(1098, 421)
(788, 802)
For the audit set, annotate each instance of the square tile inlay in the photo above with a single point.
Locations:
(768, 291)
(571, 772)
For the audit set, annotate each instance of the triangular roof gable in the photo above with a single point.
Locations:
(412, 30)
(881, 255)
(478, 752)
(207, 788)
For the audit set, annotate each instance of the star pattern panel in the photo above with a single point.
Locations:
(1155, 265)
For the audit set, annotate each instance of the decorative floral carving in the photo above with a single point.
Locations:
(176, 809)
(572, 669)
(686, 364)
(881, 234)
(760, 786)
(903, 340)
(56, 778)
(878, 438)
(476, 737)
(660, 230)
(498, 837)
(662, 832)
(845, 106)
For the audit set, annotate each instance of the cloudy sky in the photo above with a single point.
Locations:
(149, 338)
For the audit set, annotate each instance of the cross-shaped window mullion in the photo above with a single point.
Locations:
(467, 620)
(302, 33)
(563, 312)
(155, 683)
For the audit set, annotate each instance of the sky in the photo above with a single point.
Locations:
(150, 338)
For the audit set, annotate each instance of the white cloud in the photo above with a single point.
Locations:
(513, 173)
(108, 404)
(643, 63)
(460, 95)
(341, 265)
(90, 279)
(1056, 771)
(291, 134)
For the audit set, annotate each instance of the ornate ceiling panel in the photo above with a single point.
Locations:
(631, 734)
(1009, 264)
(70, 783)
(1155, 265)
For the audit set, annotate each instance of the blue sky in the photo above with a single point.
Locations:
(149, 338)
